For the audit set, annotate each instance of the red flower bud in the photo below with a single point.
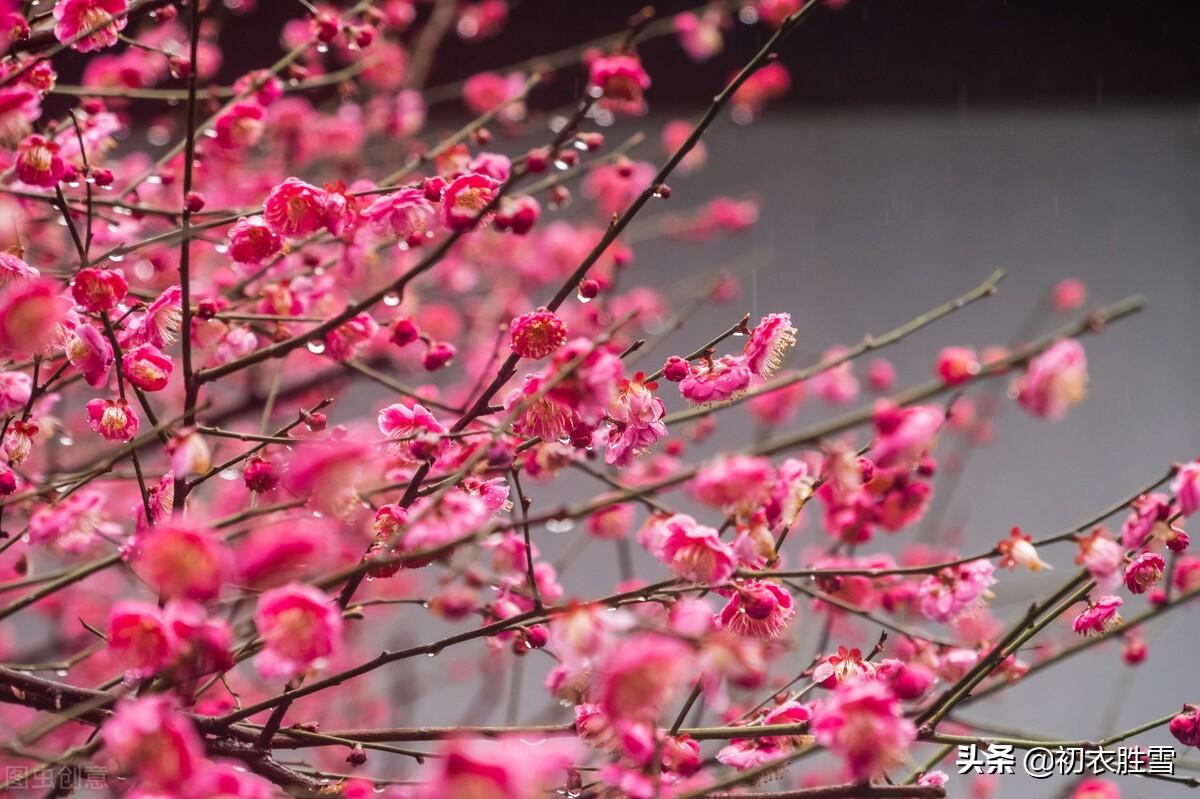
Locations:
(99, 289)
(405, 332)
(437, 356)
(675, 369)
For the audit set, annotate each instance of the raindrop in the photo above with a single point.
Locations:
(116, 257)
(560, 525)
(66, 441)
(229, 474)
(579, 296)
(391, 300)
(316, 346)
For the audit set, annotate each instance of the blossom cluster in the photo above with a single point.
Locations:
(285, 376)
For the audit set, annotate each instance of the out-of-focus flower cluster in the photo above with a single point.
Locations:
(273, 390)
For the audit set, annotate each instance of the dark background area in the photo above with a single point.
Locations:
(872, 52)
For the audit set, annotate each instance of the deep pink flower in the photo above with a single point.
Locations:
(147, 367)
(863, 724)
(774, 12)
(301, 629)
(181, 561)
(39, 163)
(769, 83)
(20, 107)
(240, 126)
(435, 524)
(278, 553)
(622, 81)
(845, 665)
(636, 415)
(269, 87)
(1101, 556)
(546, 415)
(18, 442)
(613, 187)
(612, 521)
(1186, 488)
(95, 23)
(1068, 294)
(956, 365)
(1100, 617)
(350, 338)
(400, 215)
(715, 381)
(700, 35)
(465, 198)
(200, 644)
(99, 290)
(251, 241)
(956, 590)
(163, 320)
(31, 316)
(836, 385)
(881, 375)
(326, 473)
(757, 750)
(537, 333)
(518, 215)
(152, 740)
(15, 388)
(219, 780)
(1144, 572)
(1185, 726)
(736, 484)
(402, 424)
(74, 525)
(14, 269)
(758, 610)
(1147, 517)
(1054, 381)
(484, 91)
(90, 353)
(493, 165)
(115, 420)
(509, 768)
(696, 552)
(641, 677)
(904, 435)
(769, 342)
(778, 405)
(138, 638)
(295, 209)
